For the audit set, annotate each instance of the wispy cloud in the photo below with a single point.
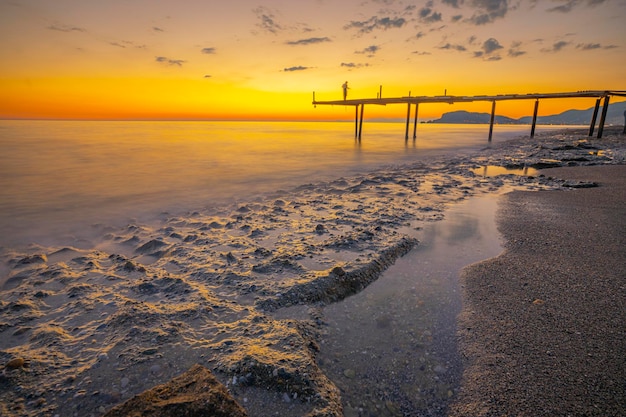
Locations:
(453, 3)
(208, 51)
(592, 46)
(515, 51)
(352, 65)
(158, 29)
(376, 23)
(489, 49)
(428, 15)
(65, 28)
(453, 47)
(370, 51)
(569, 5)
(309, 41)
(168, 61)
(267, 20)
(296, 68)
(488, 10)
(556, 47)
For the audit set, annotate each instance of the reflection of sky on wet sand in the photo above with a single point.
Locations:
(493, 170)
(391, 348)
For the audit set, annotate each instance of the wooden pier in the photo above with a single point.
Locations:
(603, 95)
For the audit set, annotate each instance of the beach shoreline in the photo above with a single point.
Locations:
(95, 327)
(542, 329)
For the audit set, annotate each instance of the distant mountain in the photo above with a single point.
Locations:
(465, 117)
(615, 116)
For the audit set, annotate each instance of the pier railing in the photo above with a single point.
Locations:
(417, 100)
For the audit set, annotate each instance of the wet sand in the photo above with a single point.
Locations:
(87, 326)
(543, 326)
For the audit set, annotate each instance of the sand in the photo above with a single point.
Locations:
(86, 327)
(543, 328)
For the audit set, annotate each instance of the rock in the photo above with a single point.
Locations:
(349, 373)
(195, 393)
(150, 247)
(15, 363)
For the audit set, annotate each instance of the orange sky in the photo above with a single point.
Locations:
(244, 59)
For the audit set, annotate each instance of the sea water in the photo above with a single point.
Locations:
(59, 178)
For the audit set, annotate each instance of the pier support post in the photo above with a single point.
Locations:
(417, 105)
(532, 129)
(592, 125)
(408, 116)
(493, 115)
(356, 121)
(605, 108)
(361, 121)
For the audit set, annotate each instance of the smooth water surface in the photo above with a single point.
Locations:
(59, 177)
(391, 348)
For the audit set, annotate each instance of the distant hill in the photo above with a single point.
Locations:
(615, 116)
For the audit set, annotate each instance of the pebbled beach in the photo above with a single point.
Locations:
(85, 328)
(542, 331)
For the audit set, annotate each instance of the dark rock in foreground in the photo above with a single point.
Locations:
(195, 393)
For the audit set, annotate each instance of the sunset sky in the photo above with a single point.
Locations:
(262, 59)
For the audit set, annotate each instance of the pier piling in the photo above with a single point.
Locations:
(493, 115)
(605, 108)
(532, 128)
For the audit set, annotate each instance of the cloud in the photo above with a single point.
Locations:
(157, 29)
(297, 68)
(66, 28)
(208, 76)
(427, 15)
(453, 3)
(569, 5)
(375, 23)
(453, 47)
(421, 53)
(488, 49)
(491, 45)
(208, 51)
(556, 47)
(308, 41)
(369, 51)
(456, 18)
(267, 20)
(591, 46)
(488, 10)
(514, 50)
(168, 61)
(353, 65)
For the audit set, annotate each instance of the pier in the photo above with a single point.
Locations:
(602, 98)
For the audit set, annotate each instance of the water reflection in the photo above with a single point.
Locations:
(391, 349)
(494, 170)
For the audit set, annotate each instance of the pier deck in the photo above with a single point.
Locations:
(409, 100)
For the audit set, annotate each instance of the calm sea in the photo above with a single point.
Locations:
(58, 178)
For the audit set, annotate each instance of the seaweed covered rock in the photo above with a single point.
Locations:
(195, 393)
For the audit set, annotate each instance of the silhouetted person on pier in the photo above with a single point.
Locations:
(345, 90)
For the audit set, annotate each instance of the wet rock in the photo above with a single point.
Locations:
(32, 260)
(15, 363)
(150, 247)
(195, 393)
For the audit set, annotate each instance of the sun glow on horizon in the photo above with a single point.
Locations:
(254, 61)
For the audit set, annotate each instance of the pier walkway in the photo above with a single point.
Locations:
(409, 100)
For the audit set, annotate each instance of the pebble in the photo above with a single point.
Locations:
(124, 382)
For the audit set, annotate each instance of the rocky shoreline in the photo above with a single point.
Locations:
(84, 330)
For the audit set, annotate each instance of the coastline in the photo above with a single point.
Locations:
(95, 327)
(542, 330)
